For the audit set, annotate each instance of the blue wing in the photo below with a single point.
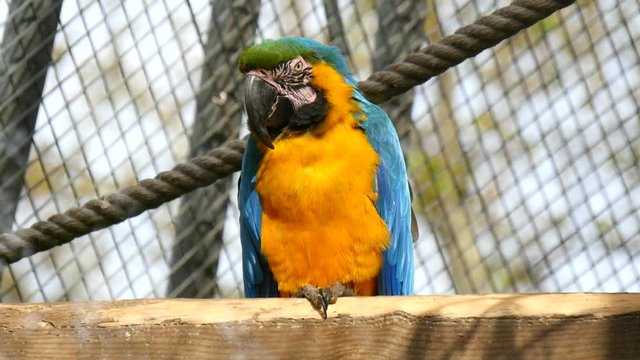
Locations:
(394, 203)
(258, 279)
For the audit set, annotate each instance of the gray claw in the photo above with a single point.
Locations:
(320, 299)
(315, 297)
(325, 294)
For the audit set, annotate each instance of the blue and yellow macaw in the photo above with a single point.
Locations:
(324, 199)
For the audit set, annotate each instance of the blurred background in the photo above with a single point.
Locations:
(525, 161)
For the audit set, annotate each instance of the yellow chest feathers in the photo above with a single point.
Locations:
(319, 223)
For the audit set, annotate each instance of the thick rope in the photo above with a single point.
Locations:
(128, 202)
(466, 42)
(381, 86)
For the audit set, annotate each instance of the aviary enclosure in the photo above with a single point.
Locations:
(524, 158)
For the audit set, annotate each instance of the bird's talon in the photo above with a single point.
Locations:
(325, 301)
(315, 297)
(320, 298)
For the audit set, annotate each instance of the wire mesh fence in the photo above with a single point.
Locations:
(524, 161)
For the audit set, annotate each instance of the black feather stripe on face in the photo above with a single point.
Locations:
(309, 115)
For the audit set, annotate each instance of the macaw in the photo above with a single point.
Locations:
(324, 201)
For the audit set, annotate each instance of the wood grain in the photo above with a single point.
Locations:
(519, 326)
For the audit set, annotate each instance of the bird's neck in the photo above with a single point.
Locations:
(338, 95)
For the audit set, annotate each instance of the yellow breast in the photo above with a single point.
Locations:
(319, 221)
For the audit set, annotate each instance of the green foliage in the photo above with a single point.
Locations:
(550, 23)
(486, 122)
(437, 176)
(627, 157)
(518, 272)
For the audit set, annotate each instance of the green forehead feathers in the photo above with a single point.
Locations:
(270, 53)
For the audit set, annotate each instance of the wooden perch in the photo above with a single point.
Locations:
(520, 326)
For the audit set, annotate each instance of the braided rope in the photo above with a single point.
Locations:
(128, 202)
(466, 42)
(200, 171)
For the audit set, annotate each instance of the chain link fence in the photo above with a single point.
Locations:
(524, 160)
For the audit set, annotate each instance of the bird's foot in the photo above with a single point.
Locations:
(314, 295)
(321, 298)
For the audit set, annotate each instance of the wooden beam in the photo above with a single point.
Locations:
(519, 326)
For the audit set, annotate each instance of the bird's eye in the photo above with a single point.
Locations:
(298, 66)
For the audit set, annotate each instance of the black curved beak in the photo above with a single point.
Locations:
(259, 103)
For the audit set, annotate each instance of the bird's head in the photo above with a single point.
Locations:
(283, 89)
